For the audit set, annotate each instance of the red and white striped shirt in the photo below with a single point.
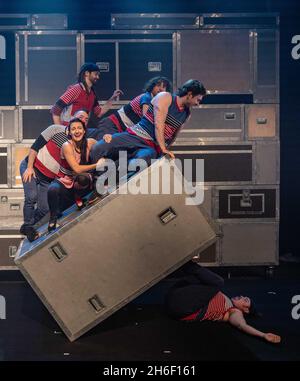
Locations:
(48, 146)
(74, 99)
(216, 310)
(217, 307)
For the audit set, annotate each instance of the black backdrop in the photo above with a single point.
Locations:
(96, 15)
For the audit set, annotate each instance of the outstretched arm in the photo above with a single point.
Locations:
(108, 104)
(236, 319)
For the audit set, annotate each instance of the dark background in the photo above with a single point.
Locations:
(85, 15)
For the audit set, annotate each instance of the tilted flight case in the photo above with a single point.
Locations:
(101, 258)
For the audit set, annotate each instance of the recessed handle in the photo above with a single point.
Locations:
(230, 116)
(58, 252)
(167, 215)
(262, 120)
(96, 303)
(15, 206)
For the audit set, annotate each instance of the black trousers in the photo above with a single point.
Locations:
(61, 198)
(105, 126)
(193, 291)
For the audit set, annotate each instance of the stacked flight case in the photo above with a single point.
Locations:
(23, 117)
(11, 197)
(236, 56)
(236, 130)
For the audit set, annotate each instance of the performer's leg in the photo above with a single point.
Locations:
(42, 199)
(59, 198)
(203, 275)
(82, 186)
(105, 126)
(30, 195)
(120, 142)
(184, 299)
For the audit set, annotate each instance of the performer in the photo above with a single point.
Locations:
(37, 171)
(131, 113)
(157, 129)
(197, 297)
(81, 96)
(74, 180)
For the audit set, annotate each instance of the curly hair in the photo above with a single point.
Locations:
(149, 86)
(192, 85)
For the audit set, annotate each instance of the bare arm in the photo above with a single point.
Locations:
(161, 105)
(236, 319)
(27, 175)
(69, 155)
(56, 119)
(108, 104)
(145, 108)
(91, 142)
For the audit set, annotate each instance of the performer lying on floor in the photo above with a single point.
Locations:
(197, 296)
(74, 180)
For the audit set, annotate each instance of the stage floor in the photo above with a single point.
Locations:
(141, 330)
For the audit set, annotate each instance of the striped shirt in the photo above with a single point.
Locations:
(74, 99)
(216, 309)
(48, 146)
(131, 113)
(176, 117)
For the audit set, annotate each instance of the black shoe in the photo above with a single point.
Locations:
(29, 232)
(23, 229)
(52, 224)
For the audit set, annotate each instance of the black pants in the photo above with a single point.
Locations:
(61, 198)
(193, 291)
(105, 126)
(135, 147)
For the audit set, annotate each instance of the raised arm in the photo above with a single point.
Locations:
(99, 111)
(236, 319)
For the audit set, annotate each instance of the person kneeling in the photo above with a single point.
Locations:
(73, 181)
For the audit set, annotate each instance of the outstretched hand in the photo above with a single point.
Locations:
(272, 338)
(116, 94)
